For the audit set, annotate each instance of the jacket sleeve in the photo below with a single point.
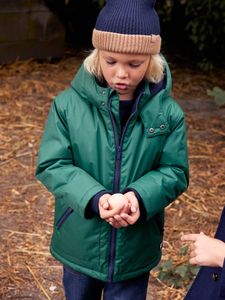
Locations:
(159, 187)
(56, 168)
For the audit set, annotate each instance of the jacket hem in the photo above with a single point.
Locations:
(101, 276)
(76, 267)
(137, 273)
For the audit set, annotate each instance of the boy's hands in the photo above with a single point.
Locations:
(119, 210)
(111, 205)
(134, 214)
(120, 201)
(104, 207)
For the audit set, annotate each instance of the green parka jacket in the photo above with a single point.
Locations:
(82, 153)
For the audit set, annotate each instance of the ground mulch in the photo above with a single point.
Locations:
(27, 270)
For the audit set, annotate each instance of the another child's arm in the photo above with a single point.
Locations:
(205, 251)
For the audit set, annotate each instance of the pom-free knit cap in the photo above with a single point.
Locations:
(128, 26)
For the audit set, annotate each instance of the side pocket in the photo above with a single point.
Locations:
(63, 218)
(159, 223)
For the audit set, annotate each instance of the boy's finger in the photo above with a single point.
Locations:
(121, 221)
(110, 213)
(105, 205)
(128, 218)
(133, 209)
(115, 224)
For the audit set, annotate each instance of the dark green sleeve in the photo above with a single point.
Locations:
(161, 186)
(56, 168)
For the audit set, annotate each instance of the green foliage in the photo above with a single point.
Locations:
(207, 27)
(203, 22)
(101, 2)
(177, 276)
(219, 96)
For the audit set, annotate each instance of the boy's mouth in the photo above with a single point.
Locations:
(120, 86)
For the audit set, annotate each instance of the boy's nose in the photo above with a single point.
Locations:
(121, 73)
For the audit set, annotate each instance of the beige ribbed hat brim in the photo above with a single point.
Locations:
(126, 43)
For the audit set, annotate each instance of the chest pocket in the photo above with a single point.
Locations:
(156, 127)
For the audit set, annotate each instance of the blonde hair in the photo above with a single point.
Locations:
(154, 73)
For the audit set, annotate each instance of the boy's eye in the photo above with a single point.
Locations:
(110, 62)
(134, 65)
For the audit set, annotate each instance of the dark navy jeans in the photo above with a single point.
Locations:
(82, 287)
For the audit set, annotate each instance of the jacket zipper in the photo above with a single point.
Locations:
(116, 187)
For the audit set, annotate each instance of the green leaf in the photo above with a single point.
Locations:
(184, 250)
(194, 270)
(219, 96)
(182, 270)
(101, 2)
(168, 265)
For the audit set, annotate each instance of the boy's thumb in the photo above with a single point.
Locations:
(105, 205)
(133, 209)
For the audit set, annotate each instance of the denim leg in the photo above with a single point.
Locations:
(79, 286)
(133, 289)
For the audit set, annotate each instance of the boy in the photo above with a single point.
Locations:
(114, 154)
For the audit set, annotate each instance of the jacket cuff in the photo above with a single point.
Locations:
(92, 207)
(143, 213)
(222, 289)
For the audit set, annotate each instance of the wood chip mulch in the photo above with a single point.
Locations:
(27, 270)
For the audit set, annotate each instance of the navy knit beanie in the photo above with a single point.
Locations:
(128, 26)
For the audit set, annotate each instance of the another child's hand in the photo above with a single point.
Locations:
(205, 251)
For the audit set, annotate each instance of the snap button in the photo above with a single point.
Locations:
(215, 276)
(162, 126)
(103, 103)
(151, 130)
(103, 93)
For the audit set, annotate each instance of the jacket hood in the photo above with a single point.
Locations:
(87, 87)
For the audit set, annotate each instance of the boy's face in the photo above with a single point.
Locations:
(123, 72)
